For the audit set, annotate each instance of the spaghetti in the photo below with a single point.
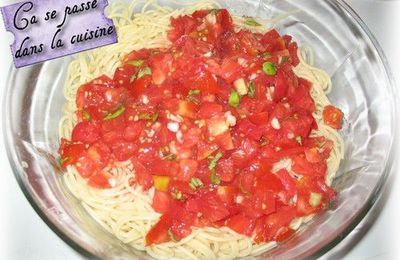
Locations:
(125, 210)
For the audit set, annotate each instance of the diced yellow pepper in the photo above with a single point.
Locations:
(161, 182)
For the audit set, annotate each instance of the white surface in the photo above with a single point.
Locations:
(23, 235)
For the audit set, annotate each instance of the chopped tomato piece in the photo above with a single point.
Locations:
(333, 117)
(161, 202)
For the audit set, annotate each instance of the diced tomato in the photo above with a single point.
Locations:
(259, 118)
(208, 110)
(186, 109)
(281, 86)
(181, 25)
(124, 75)
(161, 202)
(99, 180)
(230, 70)
(188, 169)
(225, 169)
(138, 86)
(159, 232)
(225, 141)
(143, 177)
(212, 207)
(227, 194)
(333, 117)
(241, 224)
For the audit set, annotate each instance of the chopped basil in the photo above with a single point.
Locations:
(214, 178)
(115, 114)
(252, 89)
(136, 63)
(299, 140)
(171, 236)
(170, 157)
(194, 92)
(213, 161)
(251, 22)
(143, 72)
(234, 99)
(86, 116)
(285, 59)
(195, 183)
(147, 116)
(213, 11)
(269, 68)
(132, 78)
(63, 160)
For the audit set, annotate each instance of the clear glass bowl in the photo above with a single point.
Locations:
(363, 89)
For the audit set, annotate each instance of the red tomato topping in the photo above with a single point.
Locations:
(204, 122)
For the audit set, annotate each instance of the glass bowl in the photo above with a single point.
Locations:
(363, 89)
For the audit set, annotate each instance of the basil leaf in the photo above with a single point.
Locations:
(115, 114)
(195, 183)
(136, 63)
(214, 161)
(214, 178)
(252, 89)
(251, 22)
(143, 72)
(86, 116)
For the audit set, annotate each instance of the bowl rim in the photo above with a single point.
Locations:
(361, 215)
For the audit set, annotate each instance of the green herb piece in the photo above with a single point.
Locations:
(177, 195)
(269, 68)
(299, 140)
(132, 78)
(143, 72)
(115, 114)
(86, 116)
(213, 11)
(195, 183)
(170, 157)
(251, 22)
(171, 236)
(252, 89)
(63, 160)
(234, 99)
(285, 59)
(214, 161)
(147, 116)
(194, 92)
(136, 63)
(215, 178)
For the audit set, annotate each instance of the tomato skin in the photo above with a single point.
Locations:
(213, 208)
(99, 180)
(85, 132)
(333, 117)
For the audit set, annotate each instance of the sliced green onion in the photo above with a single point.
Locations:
(269, 68)
(234, 99)
(86, 116)
(136, 63)
(171, 236)
(214, 161)
(252, 89)
(195, 183)
(251, 22)
(315, 199)
(143, 72)
(214, 178)
(115, 114)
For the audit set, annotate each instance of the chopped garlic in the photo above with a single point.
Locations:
(173, 127)
(239, 199)
(144, 99)
(275, 123)
(230, 119)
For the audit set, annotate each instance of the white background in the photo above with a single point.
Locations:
(23, 235)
